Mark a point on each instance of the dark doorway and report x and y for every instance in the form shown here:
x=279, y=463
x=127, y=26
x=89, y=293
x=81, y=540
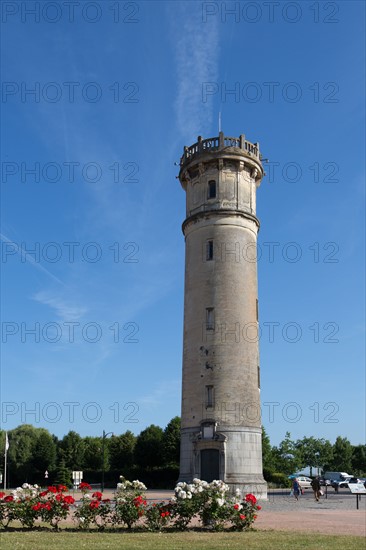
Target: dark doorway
x=210, y=465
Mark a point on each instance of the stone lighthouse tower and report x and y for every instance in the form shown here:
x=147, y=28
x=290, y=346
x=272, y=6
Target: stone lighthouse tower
x=221, y=420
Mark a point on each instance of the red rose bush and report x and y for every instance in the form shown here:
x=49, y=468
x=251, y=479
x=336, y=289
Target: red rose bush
x=53, y=505
x=93, y=509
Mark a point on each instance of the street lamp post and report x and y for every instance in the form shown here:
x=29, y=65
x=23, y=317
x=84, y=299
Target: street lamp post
x=103, y=453
x=317, y=454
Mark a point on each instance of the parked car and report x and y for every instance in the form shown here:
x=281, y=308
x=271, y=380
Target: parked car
x=336, y=476
x=341, y=483
x=363, y=480
x=353, y=480
x=325, y=482
x=304, y=482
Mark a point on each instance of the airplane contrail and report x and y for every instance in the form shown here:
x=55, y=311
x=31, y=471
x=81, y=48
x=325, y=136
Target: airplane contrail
x=24, y=254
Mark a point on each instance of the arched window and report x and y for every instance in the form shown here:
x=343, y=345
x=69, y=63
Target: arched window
x=211, y=194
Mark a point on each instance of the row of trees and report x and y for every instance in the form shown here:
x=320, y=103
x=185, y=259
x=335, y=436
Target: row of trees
x=32, y=451
x=292, y=456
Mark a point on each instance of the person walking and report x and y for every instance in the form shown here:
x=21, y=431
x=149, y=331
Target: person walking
x=296, y=488
x=315, y=484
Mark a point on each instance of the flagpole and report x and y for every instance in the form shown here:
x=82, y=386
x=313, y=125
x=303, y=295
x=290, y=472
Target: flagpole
x=6, y=457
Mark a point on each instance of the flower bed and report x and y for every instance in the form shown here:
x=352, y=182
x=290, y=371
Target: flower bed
x=210, y=503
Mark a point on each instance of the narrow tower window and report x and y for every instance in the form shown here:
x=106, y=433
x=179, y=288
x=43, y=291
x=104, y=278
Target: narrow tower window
x=209, y=396
x=259, y=376
x=212, y=189
x=257, y=309
x=210, y=318
x=209, y=250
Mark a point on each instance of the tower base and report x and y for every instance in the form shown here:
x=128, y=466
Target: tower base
x=255, y=485
x=226, y=456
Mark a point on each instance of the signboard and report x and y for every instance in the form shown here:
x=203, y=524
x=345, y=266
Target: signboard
x=357, y=488
x=77, y=477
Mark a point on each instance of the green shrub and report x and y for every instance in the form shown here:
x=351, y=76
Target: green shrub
x=279, y=479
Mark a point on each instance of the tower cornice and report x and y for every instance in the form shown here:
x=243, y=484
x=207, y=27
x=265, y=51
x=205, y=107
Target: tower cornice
x=222, y=213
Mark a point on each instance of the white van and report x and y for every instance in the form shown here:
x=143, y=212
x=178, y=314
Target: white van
x=336, y=476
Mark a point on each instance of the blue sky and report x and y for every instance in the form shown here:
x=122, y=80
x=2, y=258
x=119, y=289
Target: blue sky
x=117, y=96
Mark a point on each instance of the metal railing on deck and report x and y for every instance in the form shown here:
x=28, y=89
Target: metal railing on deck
x=220, y=142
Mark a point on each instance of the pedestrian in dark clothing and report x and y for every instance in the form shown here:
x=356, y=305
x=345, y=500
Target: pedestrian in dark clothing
x=315, y=484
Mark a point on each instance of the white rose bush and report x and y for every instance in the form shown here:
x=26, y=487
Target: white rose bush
x=93, y=509
x=211, y=503
x=130, y=502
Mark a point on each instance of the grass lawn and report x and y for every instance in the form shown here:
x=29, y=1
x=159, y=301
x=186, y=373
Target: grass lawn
x=266, y=540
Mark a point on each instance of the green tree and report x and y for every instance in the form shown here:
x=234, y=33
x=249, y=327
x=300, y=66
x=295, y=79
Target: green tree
x=121, y=450
x=2, y=450
x=149, y=447
x=315, y=453
x=93, y=455
x=171, y=442
x=325, y=454
x=63, y=474
x=43, y=454
x=72, y=449
x=358, y=460
x=286, y=456
x=267, y=453
x=22, y=443
x=342, y=455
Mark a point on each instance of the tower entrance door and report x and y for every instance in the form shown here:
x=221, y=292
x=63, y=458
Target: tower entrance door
x=210, y=465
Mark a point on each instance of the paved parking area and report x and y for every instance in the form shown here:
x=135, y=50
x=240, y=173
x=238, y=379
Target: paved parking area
x=336, y=514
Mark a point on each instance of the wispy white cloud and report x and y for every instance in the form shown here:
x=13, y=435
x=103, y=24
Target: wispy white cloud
x=64, y=310
x=162, y=393
x=196, y=47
